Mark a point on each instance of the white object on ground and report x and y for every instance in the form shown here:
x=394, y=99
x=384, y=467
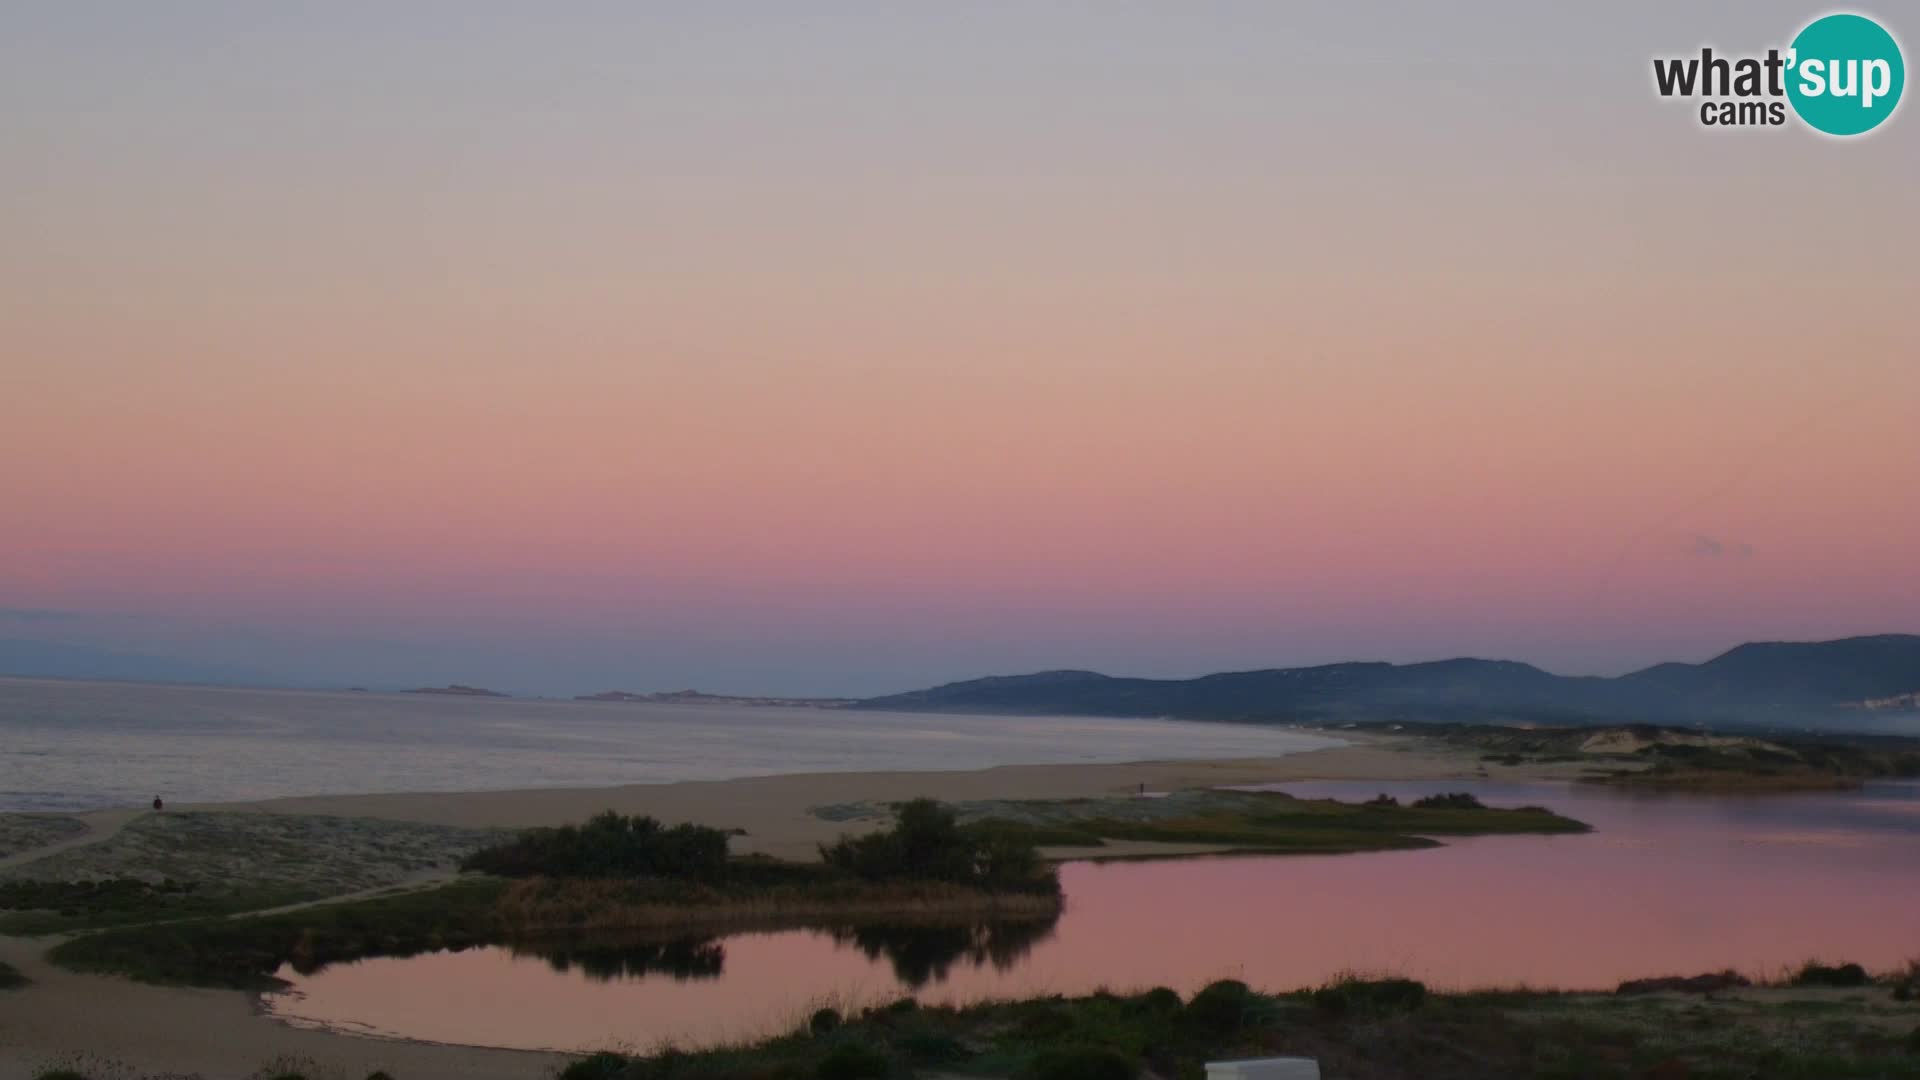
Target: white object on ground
x=1280, y=1068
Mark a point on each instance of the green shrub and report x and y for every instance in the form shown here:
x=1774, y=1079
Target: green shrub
x=823, y=1021
x=60, y=1074
x=380, y=1074
x=1081, y=1063
x=605, y=1065
x=1816, y=974
x=1220, y=1008
x=1046, y=1021
x=928, y=843
x=931, y=1048
x=1370, y=996
x=609, y=845
x=853, y=1061
x=1453, y=800
x=1160, y=999
x=1913, y=1041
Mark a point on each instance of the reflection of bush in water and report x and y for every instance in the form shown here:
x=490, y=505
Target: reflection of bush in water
x=927, y=952
x=683, y=959
x=920, y=953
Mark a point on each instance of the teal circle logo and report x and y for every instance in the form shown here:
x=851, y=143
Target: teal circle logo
x=1845, y=74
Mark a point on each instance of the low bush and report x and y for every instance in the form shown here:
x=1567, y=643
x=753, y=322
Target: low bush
x=1080, y=1063
x=928, y=843
x=1219, y=1008
x=1455, y=800
x=853, y=1061
x=1842, y=975
x=931, y=1048
x=609, y=845
x=1160, y=999
x=1370, y=997
x=823, y=1021
x=605, y=1065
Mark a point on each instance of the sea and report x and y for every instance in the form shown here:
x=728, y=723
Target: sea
x=72, y=746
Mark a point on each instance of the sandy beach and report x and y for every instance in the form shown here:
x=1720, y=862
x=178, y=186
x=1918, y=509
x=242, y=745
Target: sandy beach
x=221, y=1034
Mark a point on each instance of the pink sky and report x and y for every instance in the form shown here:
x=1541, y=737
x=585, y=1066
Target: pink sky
x=856, y=362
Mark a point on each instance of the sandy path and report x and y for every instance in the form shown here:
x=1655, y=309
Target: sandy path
x=221, y=1035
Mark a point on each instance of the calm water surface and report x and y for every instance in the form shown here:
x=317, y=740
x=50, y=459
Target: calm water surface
x=78, y=746
x=1664, y=885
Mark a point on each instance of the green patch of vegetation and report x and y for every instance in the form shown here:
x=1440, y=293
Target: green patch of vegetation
x=1452, y=800
x=1814, y=973
x=246, y=952
x=1263, y=821
x=1678, y=759
x=646, y=878
x=609, y=845
x=1381, y=1028
x=928, y=843
x=57, y=907
x=24, y=832
x=1369, y=997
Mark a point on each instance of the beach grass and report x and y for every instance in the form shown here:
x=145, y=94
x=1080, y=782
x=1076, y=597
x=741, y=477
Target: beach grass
x=1356, y=1028
x=23, y=832
x=184, y=865
x=1268, y=822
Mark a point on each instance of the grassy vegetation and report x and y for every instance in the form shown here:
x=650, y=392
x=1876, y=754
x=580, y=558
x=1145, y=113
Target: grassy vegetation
x=642, y=877
x=57, y=907
x=245, y=952
x=928, y=843
x=1263, y=821
x=1673, y=759
x=610, y=845
x=180, y=865
x=1357, y=1029
x=23, y=832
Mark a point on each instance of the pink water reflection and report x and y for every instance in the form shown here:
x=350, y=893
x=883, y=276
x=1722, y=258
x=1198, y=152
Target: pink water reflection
x=1662, y=886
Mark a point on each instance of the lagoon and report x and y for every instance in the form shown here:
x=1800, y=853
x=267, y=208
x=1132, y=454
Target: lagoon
x=1665, y=884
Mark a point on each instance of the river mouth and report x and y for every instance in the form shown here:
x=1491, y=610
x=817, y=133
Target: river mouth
x=1663, y=885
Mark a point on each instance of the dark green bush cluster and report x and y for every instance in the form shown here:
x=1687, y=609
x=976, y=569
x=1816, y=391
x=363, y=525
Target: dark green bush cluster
x=1816, y=974
x=1382, y=799
x=605, y=1065
x=1453, y=800
x=928, y=843
x=1370, y=997
x=853, y=1060
x=1081, y=1063
x=1220, y=1008
x=610, y=845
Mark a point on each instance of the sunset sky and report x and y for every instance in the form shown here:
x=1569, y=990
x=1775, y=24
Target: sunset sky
x=660, y=345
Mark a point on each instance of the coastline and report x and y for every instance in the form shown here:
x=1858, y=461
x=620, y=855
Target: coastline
x=62, y=1016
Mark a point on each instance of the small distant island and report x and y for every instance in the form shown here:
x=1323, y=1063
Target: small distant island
x=695, y=697
x=457, y=690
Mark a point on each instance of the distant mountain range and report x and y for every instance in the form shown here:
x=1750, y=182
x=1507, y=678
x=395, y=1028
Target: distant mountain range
x=1852, y=683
